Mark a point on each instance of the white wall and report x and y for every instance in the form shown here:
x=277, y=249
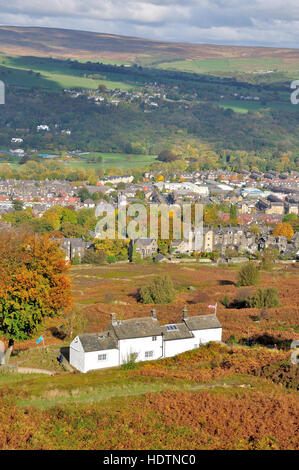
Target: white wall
x=204, y=336
x=177, y=346
x=115, y=357
x=77, y=354
x=85, y=361
x=91, y=361
x=140, y=346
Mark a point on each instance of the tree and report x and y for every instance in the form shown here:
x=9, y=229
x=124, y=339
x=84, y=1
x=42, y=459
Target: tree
x=284, y=230
x=74, y=323
x=159, y=291
x=290, y=218
x=167, y=156
x=233, y=211
x=83, y=194
x=249, y=274
x=17, y=205
x=117, y=249
x=34, y=284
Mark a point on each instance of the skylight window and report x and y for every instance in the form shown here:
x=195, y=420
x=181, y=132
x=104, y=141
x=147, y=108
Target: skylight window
x=171, y=327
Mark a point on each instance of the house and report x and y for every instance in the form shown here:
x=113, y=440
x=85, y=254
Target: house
x=179, y=246
x=73, y=247
x=89, y=203
x=117, y=179
x=143, y=339
x=145, y=247
x=43, y=127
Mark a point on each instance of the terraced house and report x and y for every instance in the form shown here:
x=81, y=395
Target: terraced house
x=142, y=339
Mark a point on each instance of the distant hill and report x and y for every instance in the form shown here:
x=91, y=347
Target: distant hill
x=86, y=45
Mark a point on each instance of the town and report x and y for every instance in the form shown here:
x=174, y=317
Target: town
x=244, y=213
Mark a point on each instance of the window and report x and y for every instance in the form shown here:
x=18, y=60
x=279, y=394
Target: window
x=171, y=327
x=102, y=357
x=154, y=338
x=149, y=353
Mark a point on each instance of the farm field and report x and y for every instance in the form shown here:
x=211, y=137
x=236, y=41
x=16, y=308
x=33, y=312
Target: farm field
x=196, y=400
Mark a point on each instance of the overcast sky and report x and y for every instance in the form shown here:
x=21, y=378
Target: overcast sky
x=246, y=22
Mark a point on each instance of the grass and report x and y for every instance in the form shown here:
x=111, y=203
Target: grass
x=17, y=71
x=90, y=395
x=102, y=160
x=107, y=160
x=229, y=65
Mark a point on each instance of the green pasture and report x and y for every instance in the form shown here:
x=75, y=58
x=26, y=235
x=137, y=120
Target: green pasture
x=19, y=71
x=107, y=160
x=226, y=65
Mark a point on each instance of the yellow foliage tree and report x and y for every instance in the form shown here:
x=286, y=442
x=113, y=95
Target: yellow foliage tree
x=284, y=230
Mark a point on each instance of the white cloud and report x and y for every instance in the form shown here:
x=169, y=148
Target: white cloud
x=219, y=21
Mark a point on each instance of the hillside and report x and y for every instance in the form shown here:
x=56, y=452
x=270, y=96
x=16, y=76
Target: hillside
x=66, y=43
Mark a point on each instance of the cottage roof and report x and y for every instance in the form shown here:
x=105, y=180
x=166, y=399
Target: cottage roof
x=137, y=328
x=181, y=332
x=145, y=241
x=202, y=322
x=98, y=341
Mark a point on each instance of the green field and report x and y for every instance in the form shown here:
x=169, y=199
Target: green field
x=20, y=71
x=101, y=160
x=226, y=65
x=107, y=160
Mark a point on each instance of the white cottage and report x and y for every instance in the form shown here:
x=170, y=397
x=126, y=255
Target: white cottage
x=144, y=338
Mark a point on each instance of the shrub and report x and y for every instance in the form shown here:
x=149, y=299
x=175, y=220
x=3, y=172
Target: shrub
x=94, y=257
x=267, y=260
x=225, y=301
x=264, y=297
x=159, y=291
x=130, y=362
x=76, y=260
x=249, y=275
x=111, y=259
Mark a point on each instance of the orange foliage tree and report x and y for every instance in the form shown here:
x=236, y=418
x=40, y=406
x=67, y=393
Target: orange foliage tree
x=34, y=284
x=284, y=230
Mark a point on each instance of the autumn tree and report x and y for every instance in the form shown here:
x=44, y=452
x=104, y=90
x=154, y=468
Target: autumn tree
x=34, y=284
x=117, y=249
x=284, y=230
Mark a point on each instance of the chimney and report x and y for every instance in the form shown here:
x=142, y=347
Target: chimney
x=154, y=314
x=185, y=313
x=113, y=319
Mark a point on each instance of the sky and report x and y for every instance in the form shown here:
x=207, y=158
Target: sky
x=243, y=22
